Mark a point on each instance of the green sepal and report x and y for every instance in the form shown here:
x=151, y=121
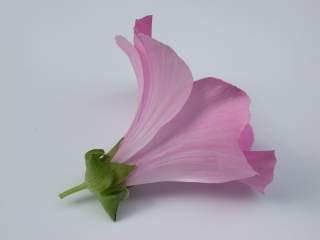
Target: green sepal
x=105, y=179
x=120, y=171
x=114, y=149
x=98, y=174
x=110, y=200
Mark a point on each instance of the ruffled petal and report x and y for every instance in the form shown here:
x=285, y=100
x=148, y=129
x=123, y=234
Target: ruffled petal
x=201, y=144
x=165, y=83
x=263, y=162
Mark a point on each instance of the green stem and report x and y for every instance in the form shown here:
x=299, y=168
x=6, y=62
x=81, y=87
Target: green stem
x=73, y=190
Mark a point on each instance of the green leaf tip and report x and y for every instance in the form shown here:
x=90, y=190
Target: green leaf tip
x=110, y=200
x=105, y=179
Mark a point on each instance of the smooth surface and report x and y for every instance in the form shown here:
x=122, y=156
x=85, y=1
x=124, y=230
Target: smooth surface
x=66, y=88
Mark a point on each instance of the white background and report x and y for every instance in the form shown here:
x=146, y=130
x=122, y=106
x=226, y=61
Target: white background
x=66, y=88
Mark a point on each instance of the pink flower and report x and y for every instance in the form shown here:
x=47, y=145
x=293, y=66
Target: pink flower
x=183, y=130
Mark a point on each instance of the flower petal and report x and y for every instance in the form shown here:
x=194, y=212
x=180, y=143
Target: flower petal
x=135, y=60
x=201, y=144
x=246, y=138
x=166, y=84
x=144, y=25
x=263, y=162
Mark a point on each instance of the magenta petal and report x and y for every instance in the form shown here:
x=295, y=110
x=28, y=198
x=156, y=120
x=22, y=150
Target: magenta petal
x=263, y=162
x=144, y=25
x=246, y=138
x=135, y=60
x=201, y=144
x=166, y=83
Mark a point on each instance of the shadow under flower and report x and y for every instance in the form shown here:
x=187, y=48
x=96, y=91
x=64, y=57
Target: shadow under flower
x=145, y=196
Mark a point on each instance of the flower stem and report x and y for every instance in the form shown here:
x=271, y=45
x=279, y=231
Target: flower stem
x=73, y=190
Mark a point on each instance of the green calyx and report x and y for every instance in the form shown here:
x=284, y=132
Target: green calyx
x=105, y=179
